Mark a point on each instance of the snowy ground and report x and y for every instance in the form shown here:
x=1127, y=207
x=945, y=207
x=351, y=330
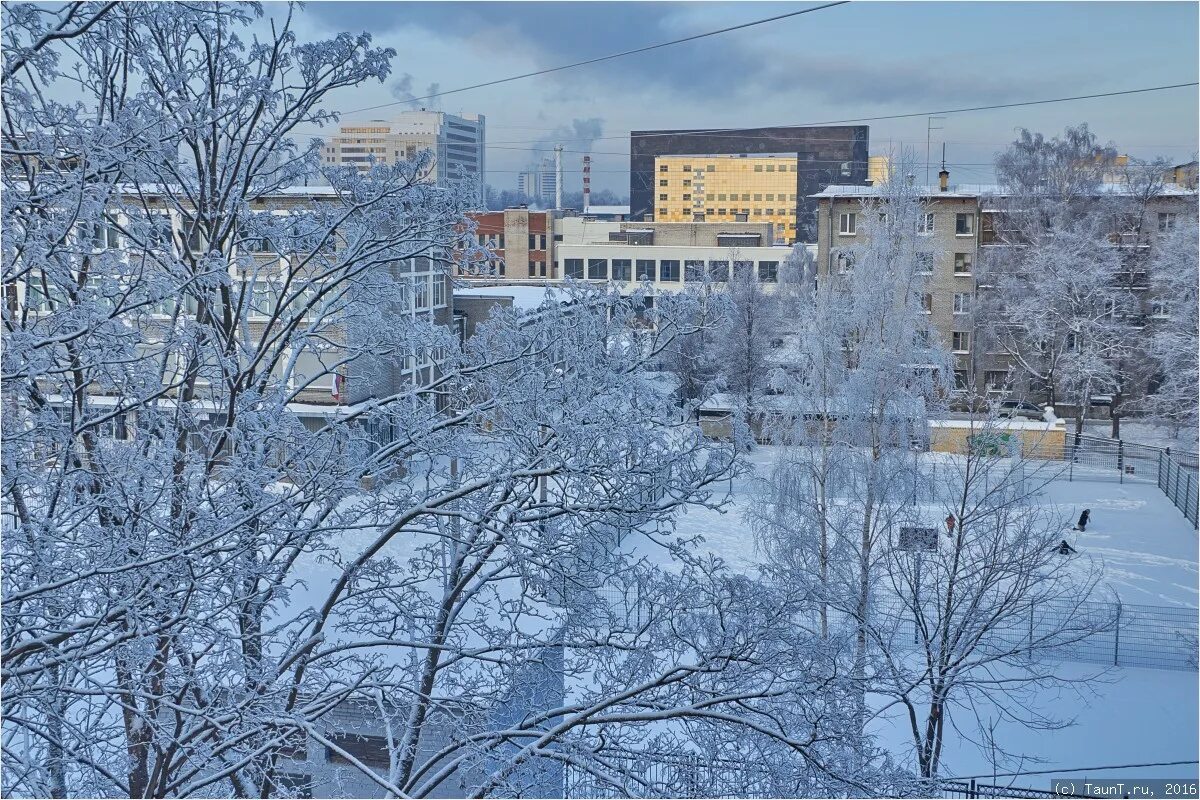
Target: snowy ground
x=1130, y=715
x=1133, y=716
x=1148, y=548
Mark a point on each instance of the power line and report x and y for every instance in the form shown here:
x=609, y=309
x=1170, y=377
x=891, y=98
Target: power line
x=738, y=131
x=635, y=51
x=1076, y=769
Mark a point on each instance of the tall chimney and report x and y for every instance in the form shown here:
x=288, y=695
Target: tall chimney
x=587, y=183
x=944, y=180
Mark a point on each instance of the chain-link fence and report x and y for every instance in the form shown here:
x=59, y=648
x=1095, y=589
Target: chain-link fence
x=636, y=773
x=1179, y=484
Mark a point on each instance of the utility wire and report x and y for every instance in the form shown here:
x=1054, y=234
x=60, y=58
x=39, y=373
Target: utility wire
x=1065, y=771
x=635, y=51
x=737, y=131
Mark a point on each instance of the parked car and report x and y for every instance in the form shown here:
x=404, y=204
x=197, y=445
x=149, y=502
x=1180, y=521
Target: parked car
x=1023, y=409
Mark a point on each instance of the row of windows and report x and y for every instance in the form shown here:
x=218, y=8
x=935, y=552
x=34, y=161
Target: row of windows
x=260, y=295
x=665, y=270
x=963, y=302
x=964, y=224
x=713, y=168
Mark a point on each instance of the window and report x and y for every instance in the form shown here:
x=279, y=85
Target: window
x=573, y=268
x=663, y=182
x=743, y=269
x=1160, y=309
x=668, y=271
x=439, y=289
x=964, y=224
x=963, y=263
x=927, y=303
x=925, y=224
x=687, y=183
x=770, y=167
x=693, y=270
x=758, y=167
x=1166, y=222
x=995, y=380
x=645, y=270
x=662, y=167
x=718, y=271
x=757, y=197
x=962, y=302
x=746, y=197
x=685, y=197
x=960, y=342
x=710, y=168
x=720, y=197
x=687, y=167
x=845, y=263
x=105, y=236
x=770, y=212
x=720, y=211
x=961, y=379
x=924, y=263
x=662, y=212
x=847, y=224
x=622, y=269
x=768, y=271
x=597, y=269
x=664, y=197
x=771, y=197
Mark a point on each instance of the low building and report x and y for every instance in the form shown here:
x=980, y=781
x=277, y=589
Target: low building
x=668, y=254
x=521, y=243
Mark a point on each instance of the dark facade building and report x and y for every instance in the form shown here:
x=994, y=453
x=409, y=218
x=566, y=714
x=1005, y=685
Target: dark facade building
x=826, y=155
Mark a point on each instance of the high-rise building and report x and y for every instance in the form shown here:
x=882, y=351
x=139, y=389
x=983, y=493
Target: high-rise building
x=824, y=156
x=539, y=184
x=457, y=143
x=721, y=188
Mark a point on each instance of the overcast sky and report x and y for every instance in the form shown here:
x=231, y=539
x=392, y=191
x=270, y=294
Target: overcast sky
x=856, y=60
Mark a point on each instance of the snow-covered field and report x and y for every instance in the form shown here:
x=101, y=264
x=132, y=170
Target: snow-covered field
x=1147, y=546
x=1129, y=716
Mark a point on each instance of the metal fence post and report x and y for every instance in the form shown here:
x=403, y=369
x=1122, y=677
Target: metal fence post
x=1117, y=638
x=1121, y=460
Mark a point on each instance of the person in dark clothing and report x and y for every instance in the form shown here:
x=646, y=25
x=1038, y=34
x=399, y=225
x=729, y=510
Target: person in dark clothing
x=1064, y=549
x=951, y=521
x=1083, y=519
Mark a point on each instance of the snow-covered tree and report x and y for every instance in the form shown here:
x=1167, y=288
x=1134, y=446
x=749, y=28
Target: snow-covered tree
x=1175, y=332
x=868, y=372
x=1054, y=300
x=196, y=583
x=971, y=626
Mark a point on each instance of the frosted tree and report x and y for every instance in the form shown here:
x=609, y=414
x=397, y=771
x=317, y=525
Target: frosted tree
x=1053, y=298
x=975, y=621
x=199, y=586
x=1175, y=331
x=868, y=371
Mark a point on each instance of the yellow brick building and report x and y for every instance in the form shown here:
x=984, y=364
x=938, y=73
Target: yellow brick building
x=728, y=188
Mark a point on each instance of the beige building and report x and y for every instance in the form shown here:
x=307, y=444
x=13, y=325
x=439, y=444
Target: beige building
x=728, y=188
x=957, y=228
x=457, y=143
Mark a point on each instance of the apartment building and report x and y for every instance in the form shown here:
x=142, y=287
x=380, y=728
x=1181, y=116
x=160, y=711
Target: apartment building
x=958, y=230
x=728, y=188
x=521, y=242
x=457, y=143
x=425, y=288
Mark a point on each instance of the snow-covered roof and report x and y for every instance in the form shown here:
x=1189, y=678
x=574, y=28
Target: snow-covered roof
x=524, y=298
x=973, y=190
x=608, y=210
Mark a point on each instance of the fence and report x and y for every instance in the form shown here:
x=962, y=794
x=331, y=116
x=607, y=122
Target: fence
x=1179, y=484
x=632, y=773
x=971, y=789
x=1115, y=634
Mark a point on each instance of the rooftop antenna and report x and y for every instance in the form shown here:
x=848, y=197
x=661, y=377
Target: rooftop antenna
x=929, y=129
